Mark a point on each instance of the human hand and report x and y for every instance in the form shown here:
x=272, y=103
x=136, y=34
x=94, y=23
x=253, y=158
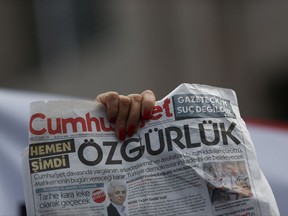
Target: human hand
x=127, y=111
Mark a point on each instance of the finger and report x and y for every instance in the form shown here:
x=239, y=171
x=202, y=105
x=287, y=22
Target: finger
x=134, y=113
x=148, y=103
x=110, y=101
x=124, y=103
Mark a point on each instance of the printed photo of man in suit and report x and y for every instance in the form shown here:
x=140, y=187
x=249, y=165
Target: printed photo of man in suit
x=117, y=192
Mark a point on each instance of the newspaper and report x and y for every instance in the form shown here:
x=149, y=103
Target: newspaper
x=194, y=157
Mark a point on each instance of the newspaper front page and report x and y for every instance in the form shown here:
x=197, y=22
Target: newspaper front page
x=194, y=157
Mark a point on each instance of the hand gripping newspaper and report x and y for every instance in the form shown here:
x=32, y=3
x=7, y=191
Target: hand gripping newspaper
x=194, y=157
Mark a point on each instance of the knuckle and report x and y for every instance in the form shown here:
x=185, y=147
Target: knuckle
x=112, y=95
x=135, y=97
x=148, y=92
x=124, y=100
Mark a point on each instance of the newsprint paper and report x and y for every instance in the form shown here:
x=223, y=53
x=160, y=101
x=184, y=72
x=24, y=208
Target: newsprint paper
x=194, y=157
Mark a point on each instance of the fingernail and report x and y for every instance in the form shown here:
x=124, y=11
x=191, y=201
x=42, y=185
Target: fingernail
x=147, y=114
x=122, y=135
x=131, y=130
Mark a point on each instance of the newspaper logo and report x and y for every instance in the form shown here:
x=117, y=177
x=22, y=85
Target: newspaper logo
x=98, y=196
x=201, y=106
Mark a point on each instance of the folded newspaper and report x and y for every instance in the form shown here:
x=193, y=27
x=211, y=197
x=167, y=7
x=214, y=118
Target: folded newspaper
x=194, y=157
